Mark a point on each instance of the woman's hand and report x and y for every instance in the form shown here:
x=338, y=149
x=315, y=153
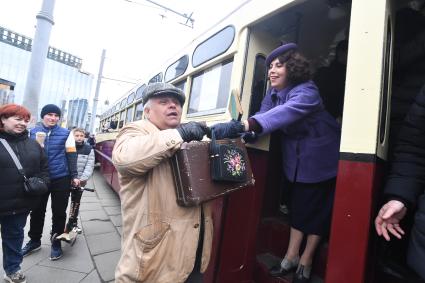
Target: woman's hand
x=232, y=129
x=388, y=219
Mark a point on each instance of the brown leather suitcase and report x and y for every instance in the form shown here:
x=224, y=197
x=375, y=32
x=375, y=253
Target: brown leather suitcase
x=192, y=177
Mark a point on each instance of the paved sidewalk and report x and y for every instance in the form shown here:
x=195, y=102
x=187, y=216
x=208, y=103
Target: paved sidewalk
x=96, y=252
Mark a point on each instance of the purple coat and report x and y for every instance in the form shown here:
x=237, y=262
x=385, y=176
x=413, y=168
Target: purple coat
x=310, y=135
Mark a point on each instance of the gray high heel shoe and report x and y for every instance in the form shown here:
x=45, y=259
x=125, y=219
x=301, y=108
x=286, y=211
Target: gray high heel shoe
x=286, y=266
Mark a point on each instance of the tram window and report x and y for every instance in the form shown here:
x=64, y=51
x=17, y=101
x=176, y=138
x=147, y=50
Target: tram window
x=139, y=111
x=258, y=87
x=156, y=79
x=210, y=90
x=121, y=121
x=177, y=68
x=213, y=46
x=122, y=103
x=139, y=92
x=129, y=114
x=130, y=98
x=180, y=85
x=386, y=85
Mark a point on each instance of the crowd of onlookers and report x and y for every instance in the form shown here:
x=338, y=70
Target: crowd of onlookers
x=58, y=158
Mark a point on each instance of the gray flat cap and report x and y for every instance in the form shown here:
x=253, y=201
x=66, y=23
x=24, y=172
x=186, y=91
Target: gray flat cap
x=157, y=89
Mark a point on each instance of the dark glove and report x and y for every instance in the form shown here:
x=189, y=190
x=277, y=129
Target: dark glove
x=192, y=131
x=249, y=137
x=231, y=129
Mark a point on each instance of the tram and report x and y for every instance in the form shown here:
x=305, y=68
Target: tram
x=226, y=64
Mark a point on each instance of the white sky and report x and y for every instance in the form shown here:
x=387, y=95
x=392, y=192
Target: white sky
x=136, y=37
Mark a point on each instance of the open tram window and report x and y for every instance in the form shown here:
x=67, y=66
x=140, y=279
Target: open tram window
x=210, y=90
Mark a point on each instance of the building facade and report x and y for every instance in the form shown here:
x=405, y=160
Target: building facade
x=64, y=84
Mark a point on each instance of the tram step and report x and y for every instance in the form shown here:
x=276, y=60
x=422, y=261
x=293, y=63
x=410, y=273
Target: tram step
x=273, y=241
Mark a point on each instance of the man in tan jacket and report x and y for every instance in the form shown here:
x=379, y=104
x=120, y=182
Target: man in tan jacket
x=161, y=241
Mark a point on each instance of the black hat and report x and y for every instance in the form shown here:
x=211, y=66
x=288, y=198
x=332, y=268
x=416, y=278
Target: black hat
x=279, y=51
x=157, y=89
x=50, y=108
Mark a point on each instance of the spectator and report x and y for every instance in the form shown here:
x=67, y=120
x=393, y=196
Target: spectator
x=404, y=188
x=172, y=243
x=14, y=203
x=62, y=159
x=310, y=146
x=85, y=166
x=91, y=141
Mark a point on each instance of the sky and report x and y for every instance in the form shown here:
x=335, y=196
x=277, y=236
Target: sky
x=137, y=35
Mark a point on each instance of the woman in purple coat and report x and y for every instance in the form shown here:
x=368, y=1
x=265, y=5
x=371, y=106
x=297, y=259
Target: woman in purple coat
x=310, y=147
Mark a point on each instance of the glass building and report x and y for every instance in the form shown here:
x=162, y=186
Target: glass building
x=64, y=84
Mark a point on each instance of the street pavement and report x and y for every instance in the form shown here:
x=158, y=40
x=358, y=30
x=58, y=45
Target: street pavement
x=95, y=254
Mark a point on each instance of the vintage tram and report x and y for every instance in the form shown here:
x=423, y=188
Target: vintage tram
x=226, y=64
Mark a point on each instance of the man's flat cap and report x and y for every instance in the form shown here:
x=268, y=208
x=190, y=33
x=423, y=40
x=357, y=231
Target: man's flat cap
x=279, y=51
x=160, y=89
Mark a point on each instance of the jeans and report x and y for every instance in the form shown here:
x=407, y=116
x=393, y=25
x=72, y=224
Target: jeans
x=59, y=190
x=12, y=233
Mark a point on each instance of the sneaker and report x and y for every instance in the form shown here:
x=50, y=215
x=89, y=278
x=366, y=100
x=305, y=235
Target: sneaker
x=56, y=251
x=30, y=247
x=17, y=277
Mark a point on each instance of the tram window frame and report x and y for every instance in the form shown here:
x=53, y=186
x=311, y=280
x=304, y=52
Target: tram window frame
x=213, y=46
x=260, y=73
x=181, y=64
x=215, y=82
x=130, y=98
x=136, y=111
x=386, y=85
x=139, y=92
x=129, y=115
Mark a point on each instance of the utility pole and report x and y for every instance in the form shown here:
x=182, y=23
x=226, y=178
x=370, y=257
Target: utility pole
x=96, y=94
x=38, y=58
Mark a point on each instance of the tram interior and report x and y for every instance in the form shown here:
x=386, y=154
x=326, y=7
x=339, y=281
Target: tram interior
x=318, y=27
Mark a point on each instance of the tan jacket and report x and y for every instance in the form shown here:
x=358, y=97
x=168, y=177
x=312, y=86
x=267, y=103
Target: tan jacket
x=159, y=238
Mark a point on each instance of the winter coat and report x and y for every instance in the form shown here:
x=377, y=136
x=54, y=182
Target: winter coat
x=59, y=146
x=407, y=178
x=159, y=238
x=13, y=199
x=85, y=161
x=310, y=135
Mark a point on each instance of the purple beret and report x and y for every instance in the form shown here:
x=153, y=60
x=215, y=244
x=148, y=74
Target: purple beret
x=279, y=51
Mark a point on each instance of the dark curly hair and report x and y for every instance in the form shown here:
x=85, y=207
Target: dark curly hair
x=297, y=67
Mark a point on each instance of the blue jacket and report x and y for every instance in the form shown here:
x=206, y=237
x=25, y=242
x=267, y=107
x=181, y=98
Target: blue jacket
x=59, y=146
x=310, y=135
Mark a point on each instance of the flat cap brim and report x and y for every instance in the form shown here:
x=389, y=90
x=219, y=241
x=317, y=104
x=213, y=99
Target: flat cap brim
x=161, y=89
x=279, y=51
